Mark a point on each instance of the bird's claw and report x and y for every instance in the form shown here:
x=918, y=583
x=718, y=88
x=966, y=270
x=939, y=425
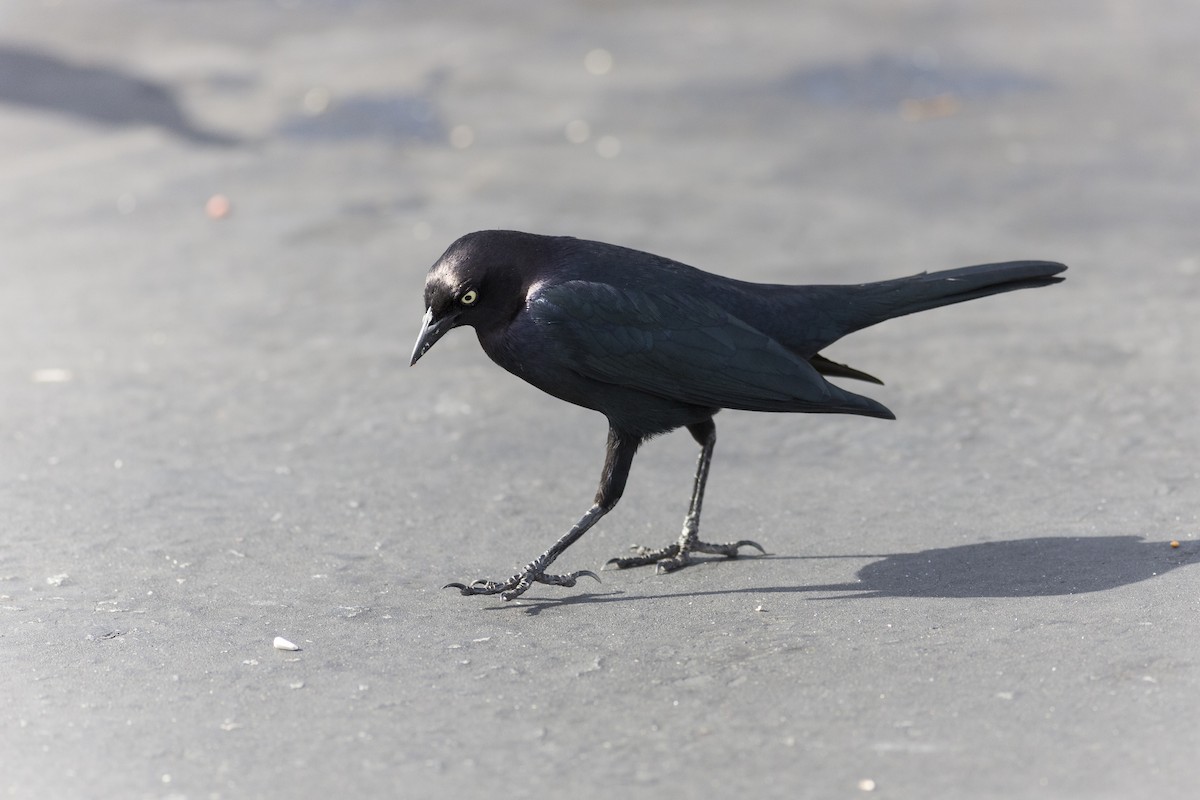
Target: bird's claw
x=642, y=556
x=742, y=543
x=677, y=556
x=517, y=585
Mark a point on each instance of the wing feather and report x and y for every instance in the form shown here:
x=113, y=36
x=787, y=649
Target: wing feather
x=685, y=348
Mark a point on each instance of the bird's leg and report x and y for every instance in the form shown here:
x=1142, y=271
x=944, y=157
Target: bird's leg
x=678, y=555
x=535, y=571
x=617, y=461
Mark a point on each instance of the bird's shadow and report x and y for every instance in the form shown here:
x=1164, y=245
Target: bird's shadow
x=1040, y=567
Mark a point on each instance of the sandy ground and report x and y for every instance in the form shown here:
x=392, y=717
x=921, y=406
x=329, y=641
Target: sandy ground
x=211, y=436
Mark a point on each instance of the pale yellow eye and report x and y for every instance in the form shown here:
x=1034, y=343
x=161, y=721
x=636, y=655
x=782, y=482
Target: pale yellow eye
x=469, y=297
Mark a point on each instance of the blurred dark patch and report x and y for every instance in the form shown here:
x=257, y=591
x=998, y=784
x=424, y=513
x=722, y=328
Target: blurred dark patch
x=96, y=93
x=384, y=116
x=884, y=82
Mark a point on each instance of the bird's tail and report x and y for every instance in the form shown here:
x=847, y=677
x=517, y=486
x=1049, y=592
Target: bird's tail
x=872, y=303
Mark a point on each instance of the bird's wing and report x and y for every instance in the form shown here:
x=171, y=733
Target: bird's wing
x=685, y=348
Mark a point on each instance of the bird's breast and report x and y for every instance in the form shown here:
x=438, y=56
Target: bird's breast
x=533, y=353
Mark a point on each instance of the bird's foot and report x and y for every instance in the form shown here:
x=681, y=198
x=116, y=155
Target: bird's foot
x=679, y=555
x=517, y=584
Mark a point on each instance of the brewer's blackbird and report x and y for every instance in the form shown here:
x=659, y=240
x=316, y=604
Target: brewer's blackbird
x=655, y=345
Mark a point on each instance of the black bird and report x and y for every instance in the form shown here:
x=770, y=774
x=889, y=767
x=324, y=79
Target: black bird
x=656, y=345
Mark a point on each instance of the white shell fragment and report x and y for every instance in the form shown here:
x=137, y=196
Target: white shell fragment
x=51, y=375
x=281, y=643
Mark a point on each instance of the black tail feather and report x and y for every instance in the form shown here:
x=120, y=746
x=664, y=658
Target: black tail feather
x=835, y=370
x=876, y=302
x=935, y=289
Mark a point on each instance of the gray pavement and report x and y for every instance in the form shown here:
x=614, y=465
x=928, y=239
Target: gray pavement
x=211, y=436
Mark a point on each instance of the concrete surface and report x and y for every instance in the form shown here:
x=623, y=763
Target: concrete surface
x=211, y=437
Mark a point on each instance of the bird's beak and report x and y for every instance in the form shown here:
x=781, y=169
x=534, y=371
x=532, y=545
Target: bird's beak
x=431, y=331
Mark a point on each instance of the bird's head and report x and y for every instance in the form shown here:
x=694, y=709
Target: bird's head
x=480, y=281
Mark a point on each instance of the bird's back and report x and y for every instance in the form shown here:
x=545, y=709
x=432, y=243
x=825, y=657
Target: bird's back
x=803, y=318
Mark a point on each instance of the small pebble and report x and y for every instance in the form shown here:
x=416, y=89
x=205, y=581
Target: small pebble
x=218, y=206
x=1174, y=543
x=281, y=643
